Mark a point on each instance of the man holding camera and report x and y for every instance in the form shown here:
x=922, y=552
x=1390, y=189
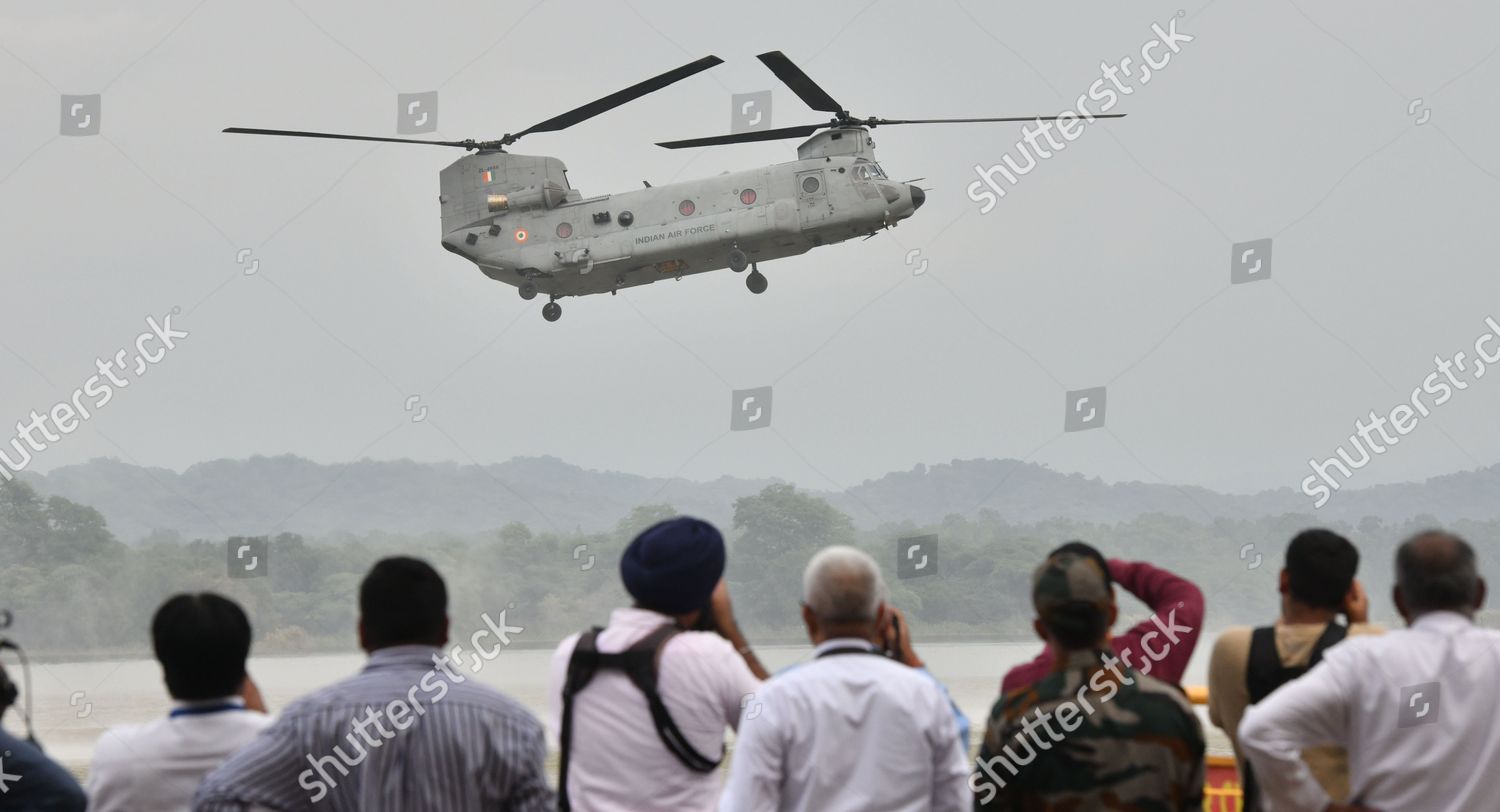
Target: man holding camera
x=640, y=706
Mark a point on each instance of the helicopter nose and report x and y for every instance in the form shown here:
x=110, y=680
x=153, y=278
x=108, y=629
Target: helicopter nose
x=918, y=197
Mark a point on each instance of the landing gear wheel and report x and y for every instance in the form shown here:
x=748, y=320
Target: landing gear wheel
x=528, y=291
x=552, y=311
x=738, y=262
x=756, y=282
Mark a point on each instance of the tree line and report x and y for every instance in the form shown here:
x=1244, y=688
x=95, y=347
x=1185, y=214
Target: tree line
x=75, y=590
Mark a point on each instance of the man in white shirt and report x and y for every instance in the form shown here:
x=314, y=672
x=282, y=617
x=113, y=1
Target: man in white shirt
x=621, y=750
x=854, y=729
x=1414, y=708
x=202, y=642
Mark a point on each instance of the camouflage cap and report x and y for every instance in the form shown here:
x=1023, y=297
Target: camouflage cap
x=1067, y=581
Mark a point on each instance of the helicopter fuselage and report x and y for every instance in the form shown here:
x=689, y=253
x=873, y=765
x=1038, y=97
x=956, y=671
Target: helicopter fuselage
x=517, y=218
x=521, y=222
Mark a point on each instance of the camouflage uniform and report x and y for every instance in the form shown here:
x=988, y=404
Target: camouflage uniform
x=1095, y=734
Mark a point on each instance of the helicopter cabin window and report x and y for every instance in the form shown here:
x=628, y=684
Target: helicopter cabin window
x=626, y=218
x=811, y=184
x=686, y=208
x=865, y=170
x=564, y=230
x=747, y=196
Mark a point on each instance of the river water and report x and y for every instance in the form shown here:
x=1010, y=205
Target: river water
x=76, y=702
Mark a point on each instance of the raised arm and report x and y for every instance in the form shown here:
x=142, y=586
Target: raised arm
x=1177, y=612
x=1177, y=619
x=896, y=639
x=729, y=628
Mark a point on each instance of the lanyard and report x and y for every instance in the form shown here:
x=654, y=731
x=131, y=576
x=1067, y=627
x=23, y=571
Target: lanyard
x=204, y=710
x=848, y=650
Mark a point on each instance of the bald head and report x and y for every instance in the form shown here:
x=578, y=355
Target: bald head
x=1437, y=572
x=842, y=587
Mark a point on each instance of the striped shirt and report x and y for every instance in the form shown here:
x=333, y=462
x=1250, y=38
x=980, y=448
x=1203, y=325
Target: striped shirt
x=407, y=733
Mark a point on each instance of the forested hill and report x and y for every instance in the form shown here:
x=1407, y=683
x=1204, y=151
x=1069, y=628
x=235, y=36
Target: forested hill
x=273, y=494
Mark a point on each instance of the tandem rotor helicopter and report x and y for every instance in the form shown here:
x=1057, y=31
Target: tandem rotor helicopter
x=519, y=220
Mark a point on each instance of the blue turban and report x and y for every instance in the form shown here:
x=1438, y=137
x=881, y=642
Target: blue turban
x=672, y=567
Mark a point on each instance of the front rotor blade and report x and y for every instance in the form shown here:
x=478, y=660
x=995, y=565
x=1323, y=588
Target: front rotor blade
x=792, y=76
x=343, y=137
x=874, y=122
x=742, y=138
x=614, y=100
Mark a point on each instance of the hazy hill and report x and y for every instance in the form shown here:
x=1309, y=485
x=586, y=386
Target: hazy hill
x=270, y=494
x=1027, y=492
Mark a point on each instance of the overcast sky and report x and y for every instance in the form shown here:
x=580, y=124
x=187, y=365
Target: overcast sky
x=1109, y=265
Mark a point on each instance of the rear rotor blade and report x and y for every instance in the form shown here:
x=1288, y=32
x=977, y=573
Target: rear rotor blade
x=343, y=137
x=742, y=138
x=616, y=99
x=792, y=76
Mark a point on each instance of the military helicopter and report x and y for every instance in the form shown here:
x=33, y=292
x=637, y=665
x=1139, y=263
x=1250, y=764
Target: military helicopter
x=521, y=222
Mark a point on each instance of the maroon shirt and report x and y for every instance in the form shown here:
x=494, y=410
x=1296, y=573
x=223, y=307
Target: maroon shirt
x=1177, y=611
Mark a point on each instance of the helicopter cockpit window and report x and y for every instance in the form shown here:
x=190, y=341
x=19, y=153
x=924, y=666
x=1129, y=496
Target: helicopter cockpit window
x=865, y=170
x=861, y=172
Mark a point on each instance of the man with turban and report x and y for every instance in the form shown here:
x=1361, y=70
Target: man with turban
x=640, y=706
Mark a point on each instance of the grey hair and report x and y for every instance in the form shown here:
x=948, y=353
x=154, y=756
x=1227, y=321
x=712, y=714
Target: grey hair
x=1437, y=571
x=843, y=585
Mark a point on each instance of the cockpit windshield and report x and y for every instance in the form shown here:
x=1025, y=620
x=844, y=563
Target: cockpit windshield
x=868, y=170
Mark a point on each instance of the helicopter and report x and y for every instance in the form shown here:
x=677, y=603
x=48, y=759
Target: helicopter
x=519, y=220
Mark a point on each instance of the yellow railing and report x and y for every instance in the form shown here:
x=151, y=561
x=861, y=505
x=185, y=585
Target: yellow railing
x=1221, y=786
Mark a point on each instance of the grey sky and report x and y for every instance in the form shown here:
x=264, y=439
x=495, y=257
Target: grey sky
x=1107, y=265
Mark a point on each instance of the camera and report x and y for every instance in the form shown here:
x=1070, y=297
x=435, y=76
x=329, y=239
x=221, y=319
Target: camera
x=9, y=693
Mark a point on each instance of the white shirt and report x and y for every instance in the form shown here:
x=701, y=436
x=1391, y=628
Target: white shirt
x=159, y=765
x=848, y=732
x=1416, y=710
x=619, y=763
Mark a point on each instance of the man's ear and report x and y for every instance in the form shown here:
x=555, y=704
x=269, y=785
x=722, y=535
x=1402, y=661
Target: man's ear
x=1041, y=631
x=1114, y=614
x=447, y=625
x=1480, y=595
x=810, y=620
x=359, y=629
x=1282, y=584
x=1400, y=602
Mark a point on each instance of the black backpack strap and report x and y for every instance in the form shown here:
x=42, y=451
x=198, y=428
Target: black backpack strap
x=582, y=666
x=1264, y=673
x=642, y=664
x=1332, y=634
